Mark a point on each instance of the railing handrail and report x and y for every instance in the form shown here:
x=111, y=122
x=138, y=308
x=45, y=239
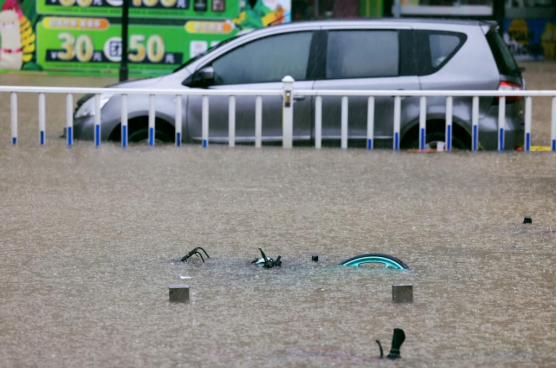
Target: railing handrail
x=138, y=91
x=426, y=93
x=279, y=92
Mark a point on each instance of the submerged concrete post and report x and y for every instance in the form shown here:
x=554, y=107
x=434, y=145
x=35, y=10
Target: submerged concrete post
x=179, y=293
x=403, y=293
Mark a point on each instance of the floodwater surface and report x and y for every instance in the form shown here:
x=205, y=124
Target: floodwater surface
x=90, y=240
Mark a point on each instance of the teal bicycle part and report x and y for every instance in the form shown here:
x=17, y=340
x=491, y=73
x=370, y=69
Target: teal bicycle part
x=387, y=260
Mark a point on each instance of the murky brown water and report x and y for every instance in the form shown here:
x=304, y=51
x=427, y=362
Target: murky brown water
x=88, y=237
x=89, y=240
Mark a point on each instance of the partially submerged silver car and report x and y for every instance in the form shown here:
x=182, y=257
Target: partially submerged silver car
x=390, y=54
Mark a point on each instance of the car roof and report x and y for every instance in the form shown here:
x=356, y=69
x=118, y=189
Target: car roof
x=386, y=22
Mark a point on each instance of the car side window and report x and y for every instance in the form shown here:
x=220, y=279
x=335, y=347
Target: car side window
x=434, y=49
x=362, y=54
x=265, y=60
x=441, y=46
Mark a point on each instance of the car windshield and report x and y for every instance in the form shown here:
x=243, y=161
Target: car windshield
x=210, y=49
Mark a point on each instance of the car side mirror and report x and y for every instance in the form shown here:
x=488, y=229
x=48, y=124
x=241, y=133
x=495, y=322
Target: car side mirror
x=207, y=75
x=201, y=78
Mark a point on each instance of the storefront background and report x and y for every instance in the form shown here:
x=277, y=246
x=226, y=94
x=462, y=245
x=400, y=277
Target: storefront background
x=529, y=28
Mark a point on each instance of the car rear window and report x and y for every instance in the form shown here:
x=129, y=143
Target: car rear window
x=503, y=57
x=435, y=48
x=362, y=54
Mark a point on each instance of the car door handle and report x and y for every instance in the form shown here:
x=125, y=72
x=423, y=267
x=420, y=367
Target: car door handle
x=296, y=97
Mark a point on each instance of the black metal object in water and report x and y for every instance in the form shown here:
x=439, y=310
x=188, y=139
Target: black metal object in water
x=380, y=349
x=267, y=262
x=398, y=338
x=196, y=252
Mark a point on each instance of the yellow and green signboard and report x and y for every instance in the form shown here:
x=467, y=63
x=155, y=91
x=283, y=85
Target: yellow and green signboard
x=91, y=44
x=84, y=36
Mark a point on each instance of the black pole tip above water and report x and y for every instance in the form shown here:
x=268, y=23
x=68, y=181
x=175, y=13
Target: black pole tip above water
x=527, y=220
x=398, y=338
x=315, y=258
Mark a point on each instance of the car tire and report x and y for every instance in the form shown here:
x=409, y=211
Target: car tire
x=142, y=136
x=431, y=140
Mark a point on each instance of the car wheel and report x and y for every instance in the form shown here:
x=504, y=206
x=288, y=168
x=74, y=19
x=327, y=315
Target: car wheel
x=142, y=136
x=433, y=139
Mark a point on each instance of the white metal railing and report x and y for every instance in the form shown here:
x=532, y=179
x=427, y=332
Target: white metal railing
x=287, y=94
